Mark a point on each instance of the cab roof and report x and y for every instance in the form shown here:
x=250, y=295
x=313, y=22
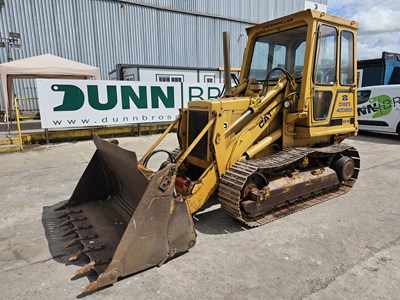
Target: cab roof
x=305, y=16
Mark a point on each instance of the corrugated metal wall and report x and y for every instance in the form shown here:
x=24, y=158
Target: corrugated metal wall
x=104, y=33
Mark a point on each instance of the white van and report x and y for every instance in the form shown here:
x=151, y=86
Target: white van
x=379, y=108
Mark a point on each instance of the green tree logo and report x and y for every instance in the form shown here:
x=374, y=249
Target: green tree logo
x=384, y=105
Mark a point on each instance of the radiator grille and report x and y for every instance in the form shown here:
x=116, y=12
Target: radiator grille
x=197, y=121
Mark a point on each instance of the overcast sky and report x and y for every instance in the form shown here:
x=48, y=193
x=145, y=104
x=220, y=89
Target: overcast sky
x=379, y=23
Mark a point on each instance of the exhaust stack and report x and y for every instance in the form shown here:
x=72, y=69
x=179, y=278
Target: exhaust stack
x=227, y=64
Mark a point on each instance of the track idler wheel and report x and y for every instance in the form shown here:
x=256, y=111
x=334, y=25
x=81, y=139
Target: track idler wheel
x=344, y=168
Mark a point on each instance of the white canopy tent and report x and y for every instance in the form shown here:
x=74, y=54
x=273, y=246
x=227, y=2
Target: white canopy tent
x=42, y=66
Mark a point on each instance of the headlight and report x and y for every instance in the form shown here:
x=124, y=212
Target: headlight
x=287, y=104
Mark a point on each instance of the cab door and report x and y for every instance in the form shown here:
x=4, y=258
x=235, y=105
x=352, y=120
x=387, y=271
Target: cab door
x=333, y=102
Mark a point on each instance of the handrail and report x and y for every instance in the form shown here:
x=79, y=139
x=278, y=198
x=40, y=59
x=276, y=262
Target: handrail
x=17, y=116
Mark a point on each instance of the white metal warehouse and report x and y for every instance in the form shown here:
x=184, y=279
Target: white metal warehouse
x=105, y=33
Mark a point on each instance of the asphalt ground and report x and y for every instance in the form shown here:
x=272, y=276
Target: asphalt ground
x=346, y=248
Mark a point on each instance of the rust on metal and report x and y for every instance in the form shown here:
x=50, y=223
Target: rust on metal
x=84, y=269
x=125, y=221
x=127, y=218
x=307, y=188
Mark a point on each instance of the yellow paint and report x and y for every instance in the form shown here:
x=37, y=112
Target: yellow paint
x=203, y=190
x=16, y=105
x=247, y=124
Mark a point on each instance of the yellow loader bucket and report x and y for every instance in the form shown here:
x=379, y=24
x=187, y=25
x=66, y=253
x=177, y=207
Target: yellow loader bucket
x=126, y=221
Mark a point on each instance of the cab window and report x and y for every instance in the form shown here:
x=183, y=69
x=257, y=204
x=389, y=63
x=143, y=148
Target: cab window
x=299, y=59
x=279, y=56
x=259, y=62
x=321, y=104
x=325, y=63
x=284, y=49
x=346, y=58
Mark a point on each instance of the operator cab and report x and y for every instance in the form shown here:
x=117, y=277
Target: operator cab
x=316, y=51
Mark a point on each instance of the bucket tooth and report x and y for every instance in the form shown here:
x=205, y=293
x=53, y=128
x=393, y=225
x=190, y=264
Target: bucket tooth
x=63, y=215
x=105, y=279
x=86, y=268
x=76, y=255
x=77, y=240
x=68, y=232
x=71, y=243
x=81, y=227
x=76, y=229
x=80, y=253
x=65, y=205
x=91, y=287
x=70, y=220
x=67, y=213
x=65, y=223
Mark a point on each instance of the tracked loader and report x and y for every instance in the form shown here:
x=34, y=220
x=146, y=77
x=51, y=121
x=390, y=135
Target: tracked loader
x=270, y=146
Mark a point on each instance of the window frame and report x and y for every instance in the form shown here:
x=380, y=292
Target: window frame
x=352, y=59
x=209, y=76
x=252, y=58
x=170, y=76
x=302, y=29
x=318, y=55
x=315, y=103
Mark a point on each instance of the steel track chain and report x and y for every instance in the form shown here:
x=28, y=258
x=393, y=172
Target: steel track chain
x=233, y=181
